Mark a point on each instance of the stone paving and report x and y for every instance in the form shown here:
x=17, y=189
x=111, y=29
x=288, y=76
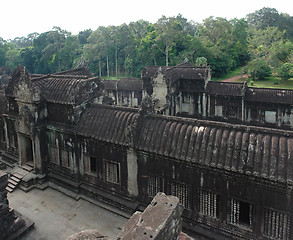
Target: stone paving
x=57, y=216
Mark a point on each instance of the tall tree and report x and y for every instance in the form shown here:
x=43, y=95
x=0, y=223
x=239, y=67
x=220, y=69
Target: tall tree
x=83, y=36
x=169, y=31
x=263, y=18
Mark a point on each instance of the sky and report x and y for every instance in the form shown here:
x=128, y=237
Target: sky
x=21, y=17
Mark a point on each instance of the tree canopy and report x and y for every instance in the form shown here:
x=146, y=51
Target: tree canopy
x=265, y=36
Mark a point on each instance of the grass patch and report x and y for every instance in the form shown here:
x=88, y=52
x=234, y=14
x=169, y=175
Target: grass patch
x=272, y=82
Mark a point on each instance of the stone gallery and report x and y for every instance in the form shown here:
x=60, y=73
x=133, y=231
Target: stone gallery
x=224, y=149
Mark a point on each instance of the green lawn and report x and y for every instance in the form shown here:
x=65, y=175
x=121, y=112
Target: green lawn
x=273, y=82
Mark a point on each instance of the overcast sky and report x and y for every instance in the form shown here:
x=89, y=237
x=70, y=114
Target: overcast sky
x=20, y=17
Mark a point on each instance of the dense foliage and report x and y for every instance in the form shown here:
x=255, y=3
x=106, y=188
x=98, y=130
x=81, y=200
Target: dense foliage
x=264, y=38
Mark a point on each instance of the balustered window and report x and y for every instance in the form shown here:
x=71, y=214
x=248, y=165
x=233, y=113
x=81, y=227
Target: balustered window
x=183, y=192
x=209, y=203
x=155, y=185
x=276, y=224
x=112, y=172
x=241, y=213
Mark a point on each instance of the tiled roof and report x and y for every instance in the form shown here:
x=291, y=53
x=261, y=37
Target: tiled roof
x=66, y=89
x=256, y=152
x=188, y=73
x=130, y=84
x=151, y=71
x=225, y=88
x=110, y=84
x=76, y=72
x=270, y=95
x=107, y=123
x=174, y=73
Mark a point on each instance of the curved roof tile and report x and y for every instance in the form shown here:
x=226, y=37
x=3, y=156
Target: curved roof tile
x=106, y=123
x=254, y=151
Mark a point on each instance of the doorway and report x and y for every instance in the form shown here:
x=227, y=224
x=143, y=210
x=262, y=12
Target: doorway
x=25, y=150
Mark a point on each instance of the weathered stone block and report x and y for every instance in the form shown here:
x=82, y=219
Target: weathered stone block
x=160, y=220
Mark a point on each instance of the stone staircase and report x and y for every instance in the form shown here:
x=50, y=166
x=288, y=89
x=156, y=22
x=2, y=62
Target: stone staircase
x=13, y=182
x=28, y=166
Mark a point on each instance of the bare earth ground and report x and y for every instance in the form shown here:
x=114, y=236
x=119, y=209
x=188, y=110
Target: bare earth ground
x=234, y=79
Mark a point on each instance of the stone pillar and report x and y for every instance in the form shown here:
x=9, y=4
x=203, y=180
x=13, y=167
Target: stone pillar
x=132, y=172
x=180, y=102
x=204, y=105
x=82, y=160
x=191, y=104
x=6, y=134
x=279, y=117
x=199, y=104
x=117, y=98
x=242, y=110
x=38, y=165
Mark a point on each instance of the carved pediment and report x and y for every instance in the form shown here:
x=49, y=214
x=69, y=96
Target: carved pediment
x=26, y=120
x=21, y=86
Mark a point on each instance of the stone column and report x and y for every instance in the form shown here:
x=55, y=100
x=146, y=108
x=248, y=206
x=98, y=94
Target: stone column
x=180, y=102
x=279, y=117
x=204, y=105
x=242, y=109
x=132, y=172
x=6, y=133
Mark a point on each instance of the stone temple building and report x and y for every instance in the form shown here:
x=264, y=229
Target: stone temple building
x=231, y=165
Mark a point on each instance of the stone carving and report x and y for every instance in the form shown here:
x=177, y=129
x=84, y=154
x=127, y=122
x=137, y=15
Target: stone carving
x=25, y=121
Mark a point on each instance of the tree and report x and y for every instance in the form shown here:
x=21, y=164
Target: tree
x=28, y=59
x=169, y=32
x=2, y=54
x=260, y=42
x=148, y=49
x=263, y=18
x=70, y=52
x=201, y=61
x=83, y=36
x=56, y=39
x=223, y=40
x=258, y=69
x=286, y=71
